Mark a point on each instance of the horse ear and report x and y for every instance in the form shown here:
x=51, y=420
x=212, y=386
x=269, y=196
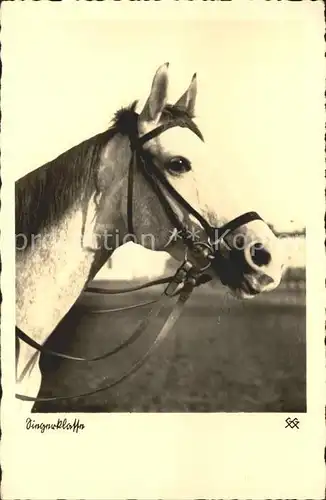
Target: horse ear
x=158, y=95
x=188, y=100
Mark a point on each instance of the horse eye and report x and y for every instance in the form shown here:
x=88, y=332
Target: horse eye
x=178, y=165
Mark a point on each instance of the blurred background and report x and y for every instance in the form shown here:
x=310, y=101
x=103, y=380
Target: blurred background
x=258, y=99
x=223, y=355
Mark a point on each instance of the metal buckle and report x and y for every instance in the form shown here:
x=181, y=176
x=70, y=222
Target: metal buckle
x=202, y=250
x=179, y=277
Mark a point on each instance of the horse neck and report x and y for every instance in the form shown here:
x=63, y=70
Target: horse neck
x=52, y=272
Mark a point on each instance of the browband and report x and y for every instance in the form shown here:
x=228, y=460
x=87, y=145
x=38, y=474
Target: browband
x=156, y=179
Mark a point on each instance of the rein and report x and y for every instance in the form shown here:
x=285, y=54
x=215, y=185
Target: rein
x=187, y=277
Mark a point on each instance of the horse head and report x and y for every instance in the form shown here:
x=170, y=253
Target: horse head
x=178, y=196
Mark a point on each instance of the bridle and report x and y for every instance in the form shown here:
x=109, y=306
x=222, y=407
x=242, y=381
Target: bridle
x=191, y=274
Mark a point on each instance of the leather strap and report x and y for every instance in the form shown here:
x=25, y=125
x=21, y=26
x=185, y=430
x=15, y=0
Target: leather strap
x=157, y=180
x=163, y=332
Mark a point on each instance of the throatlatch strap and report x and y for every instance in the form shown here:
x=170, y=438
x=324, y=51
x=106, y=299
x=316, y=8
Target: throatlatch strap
x=157, y=180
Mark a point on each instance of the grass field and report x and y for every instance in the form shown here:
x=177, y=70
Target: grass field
x=223, y=355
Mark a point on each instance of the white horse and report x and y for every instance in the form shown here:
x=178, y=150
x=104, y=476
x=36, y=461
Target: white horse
x=70, y=211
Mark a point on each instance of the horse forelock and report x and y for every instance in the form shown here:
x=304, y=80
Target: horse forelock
x=43, y=195
x=125, y=119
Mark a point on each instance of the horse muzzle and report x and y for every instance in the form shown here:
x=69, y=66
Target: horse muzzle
x=250, y=270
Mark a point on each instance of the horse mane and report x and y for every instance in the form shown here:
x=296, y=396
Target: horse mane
x=44, y=194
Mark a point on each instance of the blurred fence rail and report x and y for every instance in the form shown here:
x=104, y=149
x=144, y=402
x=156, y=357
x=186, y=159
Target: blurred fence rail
x=295, y=277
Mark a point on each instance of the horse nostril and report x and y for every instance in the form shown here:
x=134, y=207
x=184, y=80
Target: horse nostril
x=259, y=255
